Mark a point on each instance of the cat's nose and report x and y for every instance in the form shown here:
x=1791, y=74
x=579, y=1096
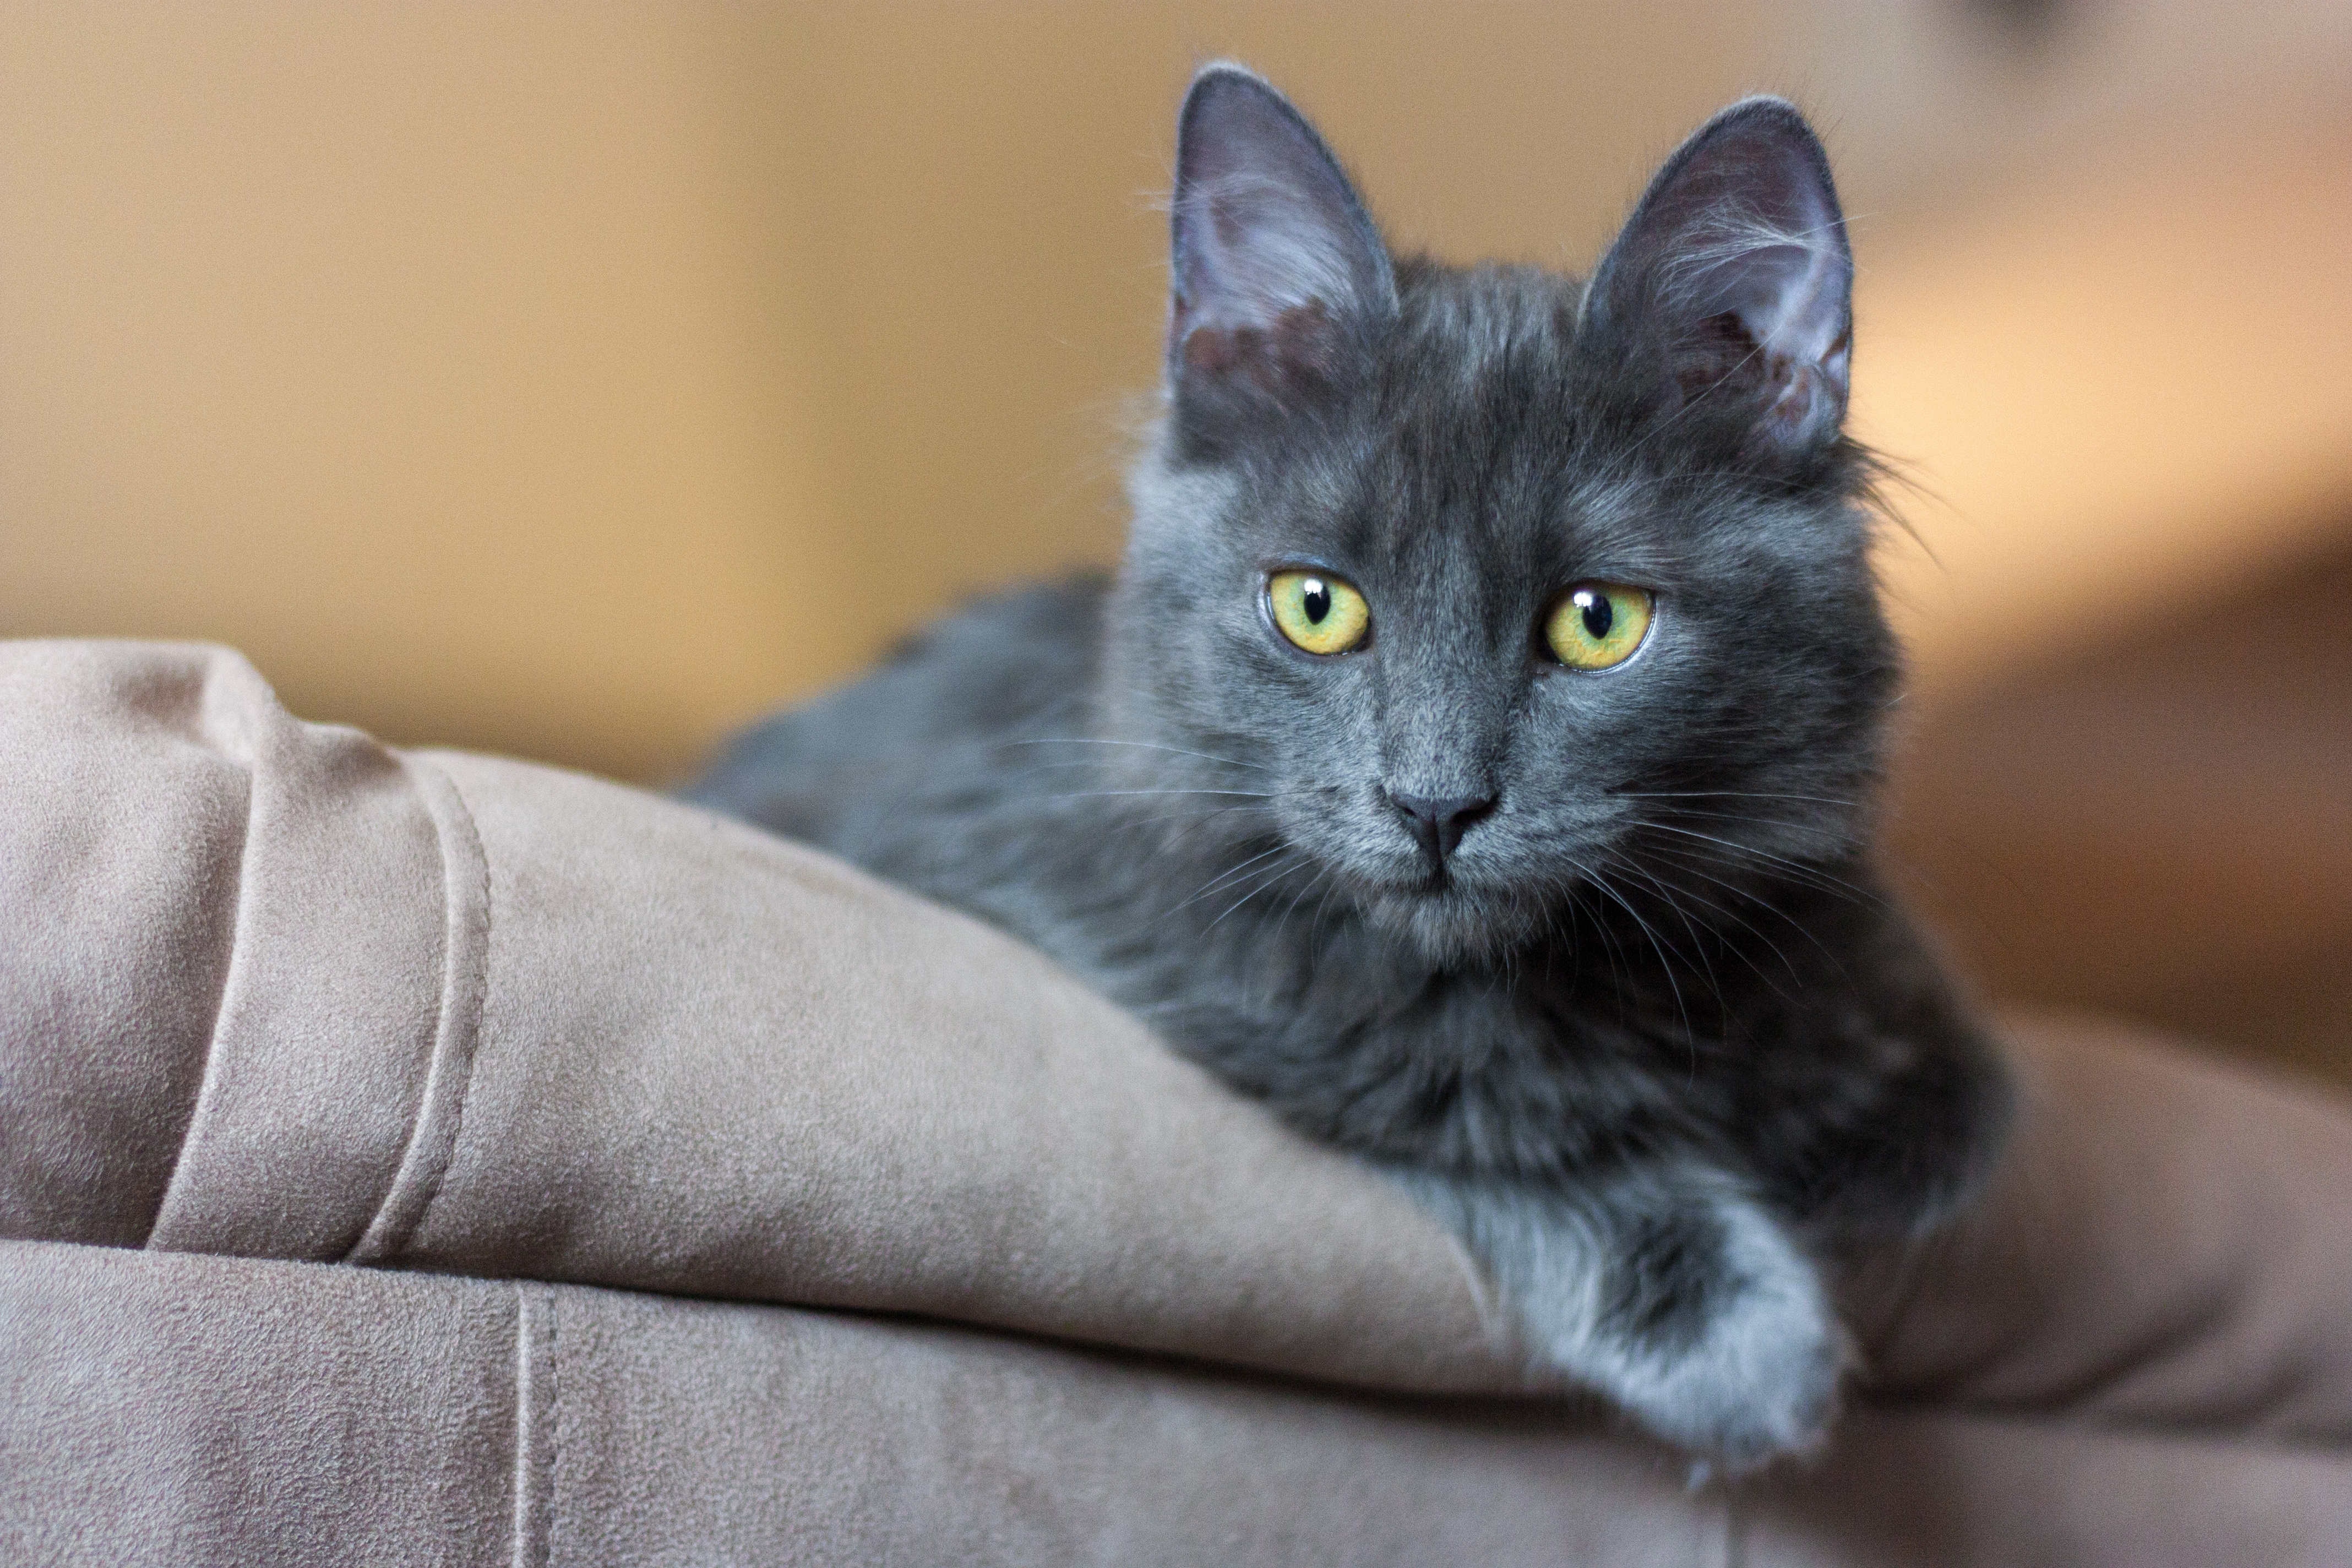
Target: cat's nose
x=1437, y=825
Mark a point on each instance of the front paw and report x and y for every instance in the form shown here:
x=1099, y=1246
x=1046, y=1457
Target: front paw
x=1675, y=1296
x=1737, y=1356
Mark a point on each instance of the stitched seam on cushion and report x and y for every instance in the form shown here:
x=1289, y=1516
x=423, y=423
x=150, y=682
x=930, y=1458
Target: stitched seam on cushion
x=545, y=1541
x=441, y=1107
x=207, y=1091
x=535, y=1425
x=520, y=1524
x=2225, y=1431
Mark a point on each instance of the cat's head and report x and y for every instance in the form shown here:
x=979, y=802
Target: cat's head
x=1505, y=589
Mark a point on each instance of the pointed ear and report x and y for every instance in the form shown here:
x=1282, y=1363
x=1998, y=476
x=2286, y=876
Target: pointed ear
x=1733, y=282
x=1275, y=268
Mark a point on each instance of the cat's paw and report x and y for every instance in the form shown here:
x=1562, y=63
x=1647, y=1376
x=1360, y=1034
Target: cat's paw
x=1692, y=1310
x=1755, y=1373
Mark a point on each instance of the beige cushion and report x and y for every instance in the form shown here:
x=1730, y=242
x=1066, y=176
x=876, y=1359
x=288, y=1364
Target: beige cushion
x=269, y=991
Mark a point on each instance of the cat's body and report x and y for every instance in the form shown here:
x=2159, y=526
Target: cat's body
x=1590, y=958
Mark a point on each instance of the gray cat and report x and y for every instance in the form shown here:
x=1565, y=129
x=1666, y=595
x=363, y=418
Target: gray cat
x=1472, y=758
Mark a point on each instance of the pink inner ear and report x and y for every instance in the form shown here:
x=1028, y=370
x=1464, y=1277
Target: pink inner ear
x=1803, y=346
x=1296, y=348
x=1802, y=394
x=1811, y=399
x=1795, y=294
x=1767, y=316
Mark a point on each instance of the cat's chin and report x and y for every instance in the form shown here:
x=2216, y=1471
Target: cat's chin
x=1452, y=925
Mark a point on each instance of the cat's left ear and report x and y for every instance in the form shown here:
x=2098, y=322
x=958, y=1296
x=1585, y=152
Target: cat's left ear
x=1733, y=282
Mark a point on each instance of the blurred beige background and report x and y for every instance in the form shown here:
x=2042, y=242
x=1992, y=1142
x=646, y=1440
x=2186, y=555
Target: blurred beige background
x=579, y=380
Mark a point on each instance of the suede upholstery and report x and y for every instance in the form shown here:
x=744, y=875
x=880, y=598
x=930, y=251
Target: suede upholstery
x=979, y=1272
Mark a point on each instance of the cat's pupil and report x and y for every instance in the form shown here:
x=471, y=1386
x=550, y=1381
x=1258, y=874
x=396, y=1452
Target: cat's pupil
x=1315, y=598
x=1598, y=615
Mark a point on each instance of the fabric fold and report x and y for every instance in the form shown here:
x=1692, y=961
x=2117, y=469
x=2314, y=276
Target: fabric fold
x=324, y=1041
x=226, y=957
x=464, y=957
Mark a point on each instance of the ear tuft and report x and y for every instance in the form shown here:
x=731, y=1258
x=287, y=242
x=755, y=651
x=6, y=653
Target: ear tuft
x=1275, y=264
x=1734, y=267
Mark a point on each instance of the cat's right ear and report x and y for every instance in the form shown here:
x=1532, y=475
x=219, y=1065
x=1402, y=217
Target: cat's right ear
x=1276, y=274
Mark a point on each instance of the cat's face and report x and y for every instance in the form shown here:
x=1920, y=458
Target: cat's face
x=1394, y=551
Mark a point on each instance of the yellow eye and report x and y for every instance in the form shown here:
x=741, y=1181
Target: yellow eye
x=1317, y=611
x=1597, y=625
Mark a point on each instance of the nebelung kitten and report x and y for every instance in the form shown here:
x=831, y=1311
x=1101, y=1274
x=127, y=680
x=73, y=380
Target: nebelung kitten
x=1472, y=757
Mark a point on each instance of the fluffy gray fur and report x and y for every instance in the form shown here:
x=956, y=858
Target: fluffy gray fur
x=1639, y=1023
